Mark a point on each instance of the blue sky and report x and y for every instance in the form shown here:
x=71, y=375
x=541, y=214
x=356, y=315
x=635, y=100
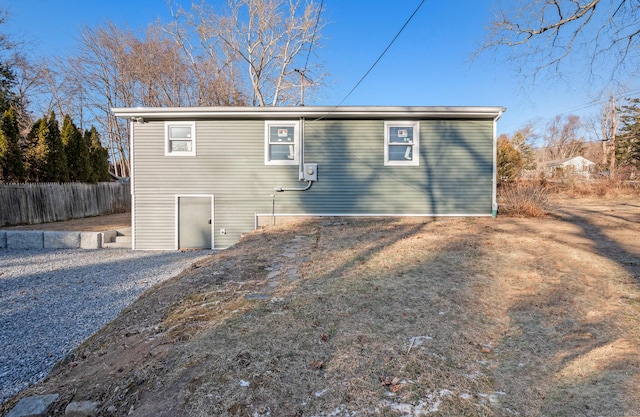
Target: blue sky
x=429, y=64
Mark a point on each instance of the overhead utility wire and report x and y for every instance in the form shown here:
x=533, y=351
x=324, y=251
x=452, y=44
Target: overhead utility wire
x=303, y=72
x=584, y=106
x=313, y=36
x=375, y=168
x=383, y=52
x=377, y=60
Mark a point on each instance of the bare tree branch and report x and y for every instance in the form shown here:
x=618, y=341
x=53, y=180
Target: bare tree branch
x=267, y=37
x=542, y=34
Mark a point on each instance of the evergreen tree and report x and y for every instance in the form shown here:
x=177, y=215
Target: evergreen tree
x=56, y=167
x=11, y=168
x=7, y=82
x=45, y=158
x=510, y=161
x=36, y=154
x=76, y=151
x=628, y=139
x=98, y=156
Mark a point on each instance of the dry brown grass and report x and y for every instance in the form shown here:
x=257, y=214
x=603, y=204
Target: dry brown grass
x=413, y=317
x=601, y=188
x=524, y=200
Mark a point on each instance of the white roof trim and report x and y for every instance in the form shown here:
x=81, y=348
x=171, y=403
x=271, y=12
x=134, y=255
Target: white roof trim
x=330, y=112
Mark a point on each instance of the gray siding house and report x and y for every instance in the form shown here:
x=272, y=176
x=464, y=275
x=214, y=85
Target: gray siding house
x=201, y=177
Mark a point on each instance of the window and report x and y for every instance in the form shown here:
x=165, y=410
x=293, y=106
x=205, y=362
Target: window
x=281, y=142
x=180, y=138
x=401, y=143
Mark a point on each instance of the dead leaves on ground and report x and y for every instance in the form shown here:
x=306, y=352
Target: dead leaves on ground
x=393, y=384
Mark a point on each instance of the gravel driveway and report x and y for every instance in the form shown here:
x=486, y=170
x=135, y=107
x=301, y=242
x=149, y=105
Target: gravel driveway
x=52, y=300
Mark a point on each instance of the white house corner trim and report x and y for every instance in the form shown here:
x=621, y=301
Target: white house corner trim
x=494, y=192
x=132, y=187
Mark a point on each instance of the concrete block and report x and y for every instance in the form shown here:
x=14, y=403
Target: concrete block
x=37, y=406
x=109, y=236
x=90, y=240
x=3, y=239
x=61, y=240
x=82, y=409
x=25, y=240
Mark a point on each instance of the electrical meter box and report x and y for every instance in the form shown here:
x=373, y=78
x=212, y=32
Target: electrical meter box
x=310, y=172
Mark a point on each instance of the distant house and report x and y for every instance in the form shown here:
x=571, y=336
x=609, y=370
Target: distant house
x=201, y=177
x=577, y=165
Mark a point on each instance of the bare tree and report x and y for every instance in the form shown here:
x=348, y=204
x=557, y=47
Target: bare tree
x=563, y=139
x=193, y=60
x=269, y=38
x=523, y=140
x=216, y=78
x=545, y=33
x=600, y=127
x=100, y=68
x=115, y=67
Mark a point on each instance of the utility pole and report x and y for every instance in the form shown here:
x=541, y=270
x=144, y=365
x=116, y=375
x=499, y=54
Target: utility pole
x=301, y=72
x=612, y=167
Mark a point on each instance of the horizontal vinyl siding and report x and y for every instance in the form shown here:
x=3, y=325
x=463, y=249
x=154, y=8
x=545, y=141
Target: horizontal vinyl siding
x=229, y=164
x=454, y=175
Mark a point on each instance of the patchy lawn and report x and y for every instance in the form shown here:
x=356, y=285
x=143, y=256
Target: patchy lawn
x=412, y=317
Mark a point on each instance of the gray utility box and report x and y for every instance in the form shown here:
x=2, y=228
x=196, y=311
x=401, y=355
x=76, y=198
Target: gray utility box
x=310, y=172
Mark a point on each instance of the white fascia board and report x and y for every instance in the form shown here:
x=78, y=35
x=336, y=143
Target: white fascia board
x=319, y=112
x=370, y=215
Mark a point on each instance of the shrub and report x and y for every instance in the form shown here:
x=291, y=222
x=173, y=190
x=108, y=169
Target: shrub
x=510, y=161
x=524, y=200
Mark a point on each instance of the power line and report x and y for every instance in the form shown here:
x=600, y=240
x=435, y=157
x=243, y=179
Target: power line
x=383, y=53
x=584, y=106
x=376, y=61
x=313, y=36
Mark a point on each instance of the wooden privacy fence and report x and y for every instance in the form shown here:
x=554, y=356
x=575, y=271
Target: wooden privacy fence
x=50, y=202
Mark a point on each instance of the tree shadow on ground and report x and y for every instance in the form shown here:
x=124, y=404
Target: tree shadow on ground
x=578, y=316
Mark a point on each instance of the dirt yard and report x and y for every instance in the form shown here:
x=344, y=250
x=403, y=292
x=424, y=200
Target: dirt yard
x=413, y=317
x=87, y=224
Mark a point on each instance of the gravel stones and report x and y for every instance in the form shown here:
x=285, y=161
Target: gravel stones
x=52, y=300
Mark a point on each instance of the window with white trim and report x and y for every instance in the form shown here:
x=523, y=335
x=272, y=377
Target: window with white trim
x=402, y=143
x=281, y=142
x=180, y=138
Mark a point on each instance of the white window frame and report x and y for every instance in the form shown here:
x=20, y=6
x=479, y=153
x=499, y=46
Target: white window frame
x=167, y=138
x=415, y=160
x=296, y=142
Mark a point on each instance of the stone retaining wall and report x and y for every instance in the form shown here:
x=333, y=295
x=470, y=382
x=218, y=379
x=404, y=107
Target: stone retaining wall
x=12, y=239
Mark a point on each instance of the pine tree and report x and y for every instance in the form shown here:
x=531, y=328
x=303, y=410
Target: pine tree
x=628, y=139
x=7, y=82
x=11, y=168
x=36, y=153
x=76, y=151
x=45, y=158
x=98, y=156
x=57, y=169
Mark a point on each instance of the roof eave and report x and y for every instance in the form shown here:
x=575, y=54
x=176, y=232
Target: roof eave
x=309, y=112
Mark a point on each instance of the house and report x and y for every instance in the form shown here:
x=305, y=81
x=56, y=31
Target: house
x=576, y=165
x=201, y=177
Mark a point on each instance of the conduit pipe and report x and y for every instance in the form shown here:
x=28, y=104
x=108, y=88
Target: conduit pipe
x=301, y=164
x=279, y=190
